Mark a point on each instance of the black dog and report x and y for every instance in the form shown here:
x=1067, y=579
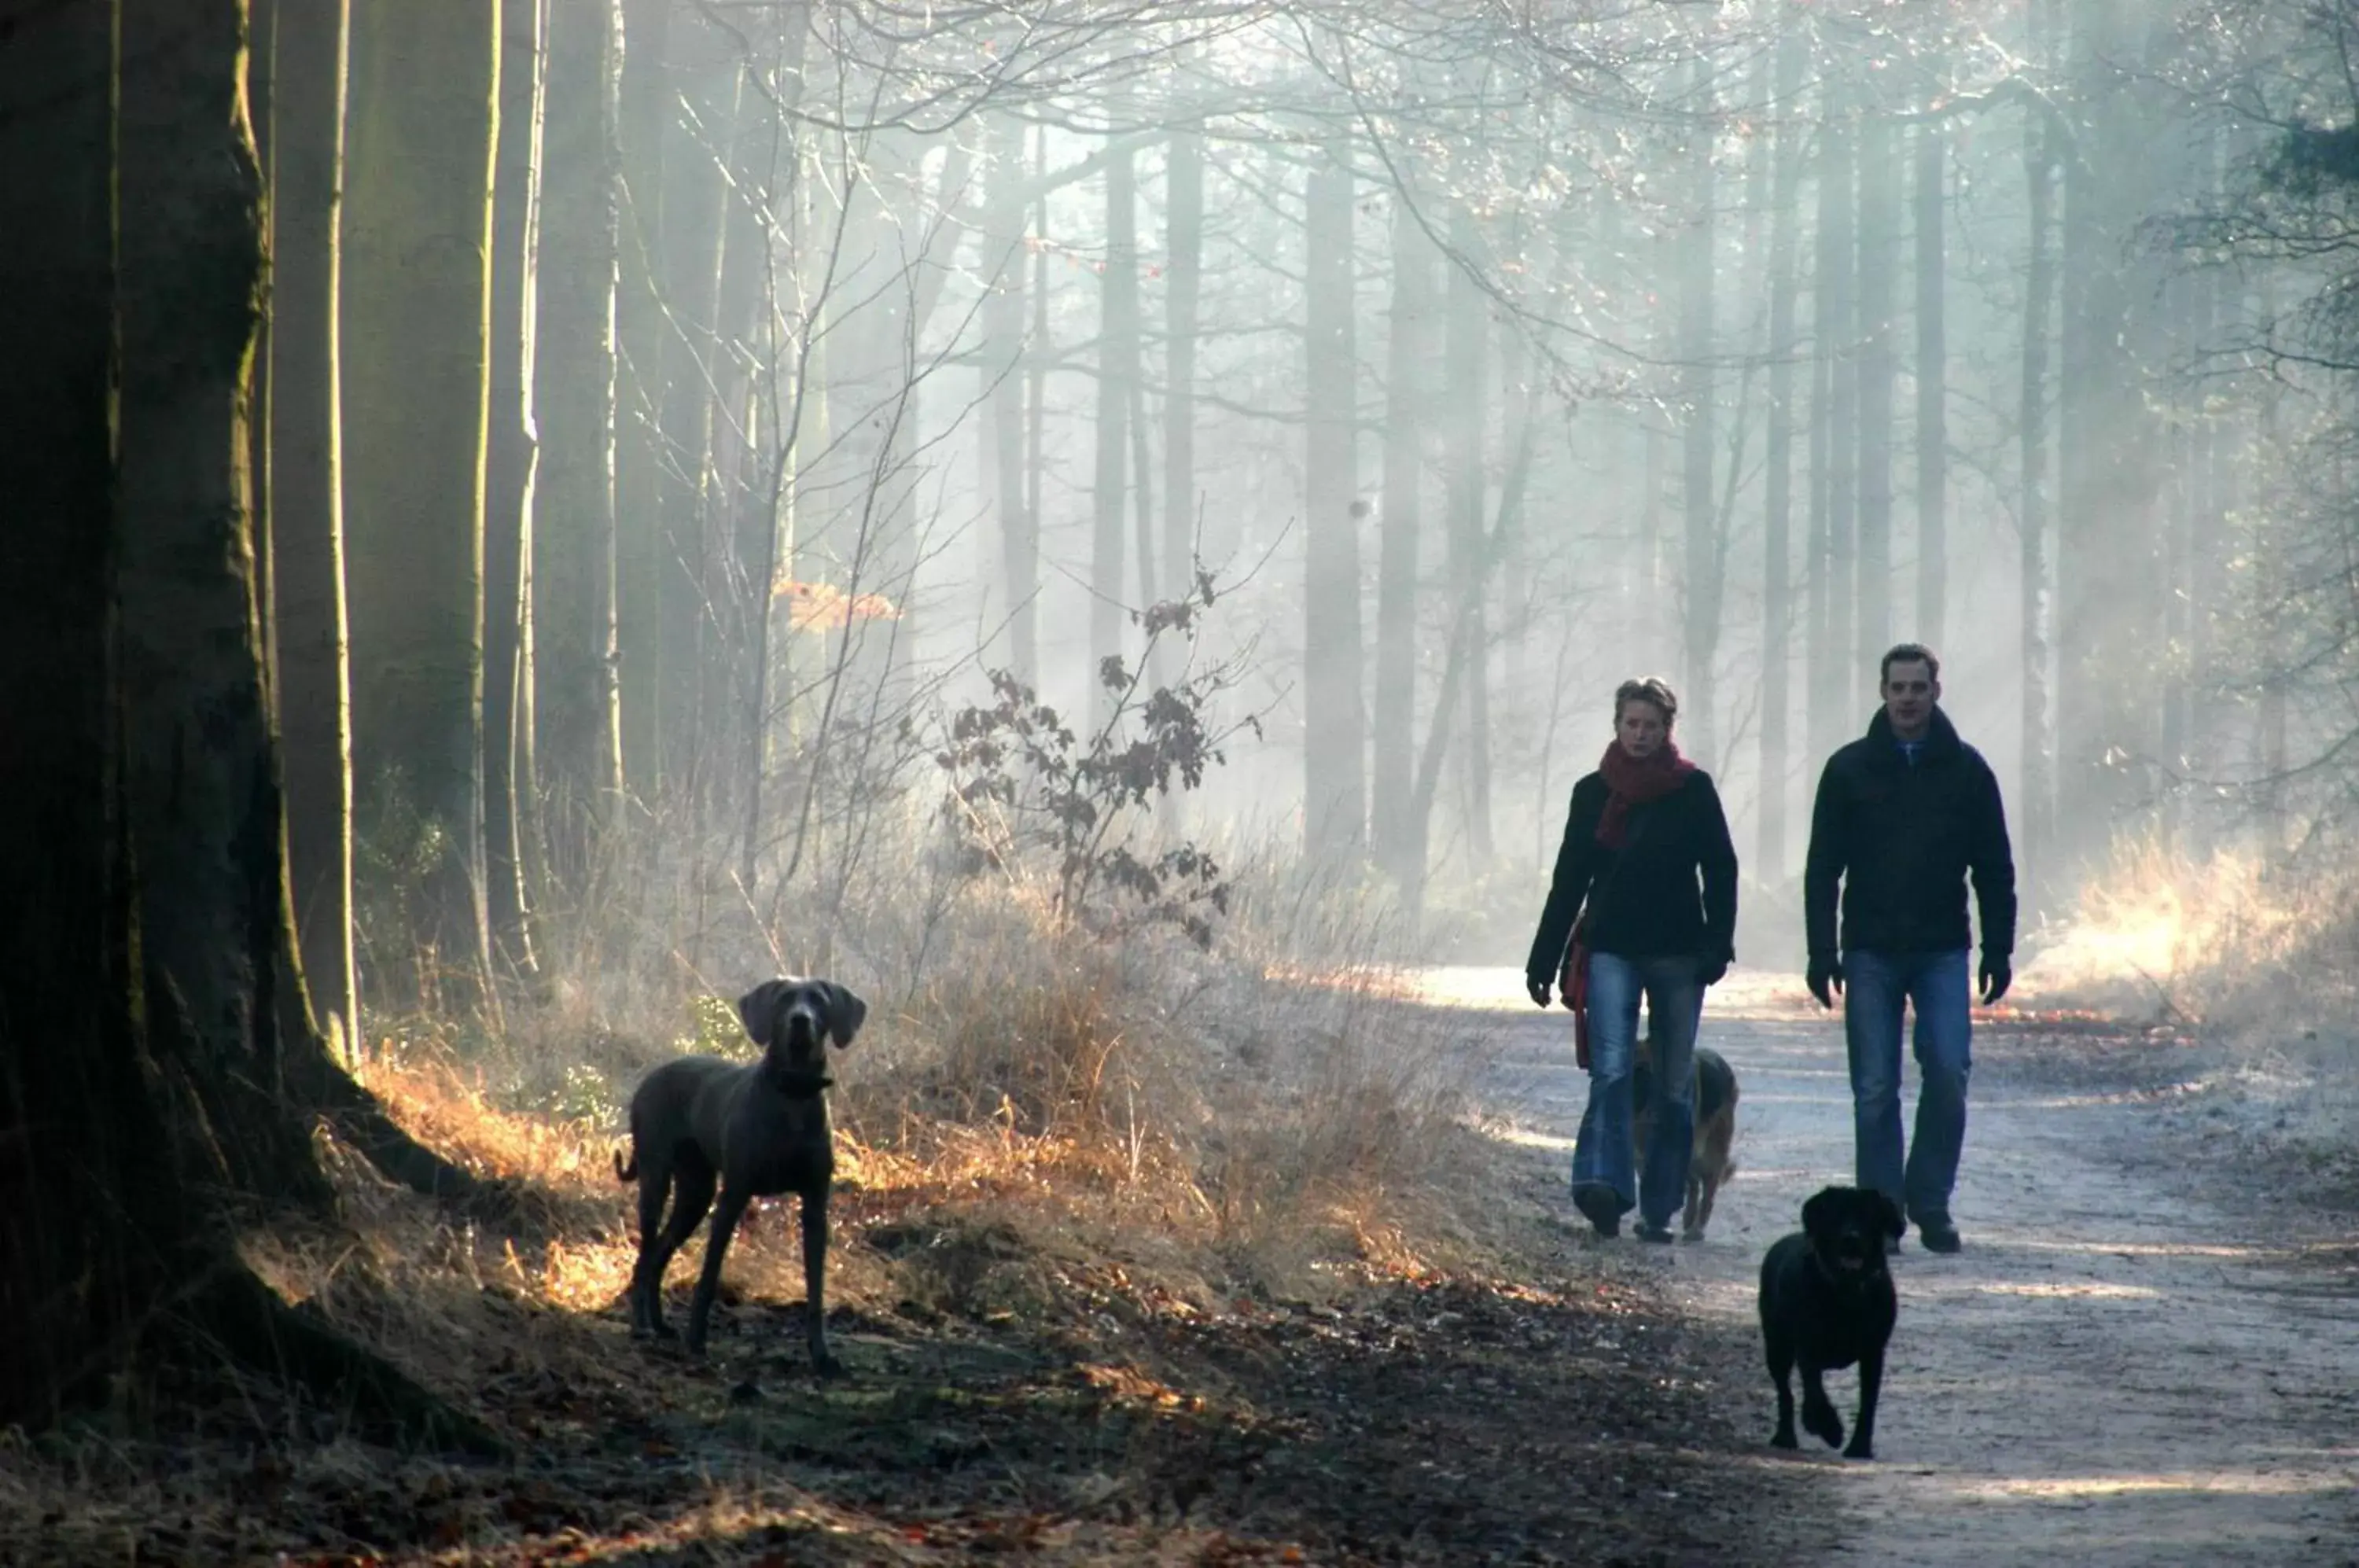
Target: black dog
x=1827, y=1302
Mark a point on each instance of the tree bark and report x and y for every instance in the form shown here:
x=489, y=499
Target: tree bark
x=1880, y=245
x=1003, y=371
x=1408, y=354
x=1118, y=365
x=1778, y=502
x=124, y=1076
x=511, y=462
x=1183, y=268
x=2105, y=531
x=1701, y=604
x=1834, y=434
x=417, y=236
x=700, y=133
x=1465, y=340
x=577, y=705
x=1335, y=778
x=75, y=1276
x=313, y=681
x=2034, y=804
x=1932, y=392
x=644, y=108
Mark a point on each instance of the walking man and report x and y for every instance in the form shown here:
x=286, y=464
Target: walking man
x=1903, y=817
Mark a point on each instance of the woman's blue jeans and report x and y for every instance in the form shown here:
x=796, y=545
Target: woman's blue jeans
x=1876, y=987
x=1605, y=1153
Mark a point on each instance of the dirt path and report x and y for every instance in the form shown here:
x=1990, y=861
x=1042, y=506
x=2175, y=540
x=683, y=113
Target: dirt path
x=2131, y=1363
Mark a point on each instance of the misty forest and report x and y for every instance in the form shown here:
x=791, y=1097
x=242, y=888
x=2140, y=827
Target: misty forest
x=1109, y=529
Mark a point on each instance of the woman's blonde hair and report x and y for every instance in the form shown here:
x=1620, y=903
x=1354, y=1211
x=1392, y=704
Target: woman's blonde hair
x=1650, y=689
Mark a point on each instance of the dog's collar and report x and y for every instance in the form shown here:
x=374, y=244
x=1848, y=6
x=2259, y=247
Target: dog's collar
x=1836, y=1277
x=796, y=1083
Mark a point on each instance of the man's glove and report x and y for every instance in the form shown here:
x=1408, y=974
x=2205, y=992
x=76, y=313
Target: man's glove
x=1539, y=987
x=1997, y=975
x=1711, y=970
x=1825, y=979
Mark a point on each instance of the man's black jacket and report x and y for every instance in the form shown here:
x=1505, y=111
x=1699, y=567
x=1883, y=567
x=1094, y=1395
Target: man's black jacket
x=1901, y=837
x=1646, y=897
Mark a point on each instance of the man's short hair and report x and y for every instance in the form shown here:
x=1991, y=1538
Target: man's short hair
x=1908, y=653
x=1647, y=689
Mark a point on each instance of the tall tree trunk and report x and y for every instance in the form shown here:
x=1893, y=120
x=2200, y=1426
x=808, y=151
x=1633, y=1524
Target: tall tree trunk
x=1118, y=350
x=307, y=524
x=1334, y=769
x=1700, y=603
x=148, y=977
x=417, y=237
x=1466, y=337
x=1879, y=245
x=76, y=1276
x=1002, y=372
x=1777, y=500
x=643, y=109
x=511, y=462
x=699, y=137
x=1408, y=354
x=2101, y=534
x=1183, y=265
x=2034, y=804
x=1834, y=414
x=1932, y=392
x=734, y=490
x=198, y=781
x=576, y=692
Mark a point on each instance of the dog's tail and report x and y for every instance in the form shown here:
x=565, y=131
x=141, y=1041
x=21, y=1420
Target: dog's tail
x=627, y=1171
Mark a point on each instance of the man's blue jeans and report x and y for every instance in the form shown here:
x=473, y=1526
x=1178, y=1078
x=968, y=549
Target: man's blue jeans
x=1938, y=985
x=1605, y=1152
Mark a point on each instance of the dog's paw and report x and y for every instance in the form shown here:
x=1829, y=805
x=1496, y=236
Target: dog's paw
x=1859, y=1450
x=1784, y=1438
x=1823, y=1424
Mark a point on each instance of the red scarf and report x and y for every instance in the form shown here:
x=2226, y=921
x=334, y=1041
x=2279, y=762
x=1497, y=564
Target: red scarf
x=1633, y=782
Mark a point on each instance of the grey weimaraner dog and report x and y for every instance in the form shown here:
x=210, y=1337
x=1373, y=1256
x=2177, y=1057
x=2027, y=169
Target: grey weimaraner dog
x=756, y=1129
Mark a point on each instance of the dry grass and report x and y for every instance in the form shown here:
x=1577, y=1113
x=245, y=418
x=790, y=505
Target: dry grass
x=2233, y=939
x=1115, y=1223
x=1253, y=1115
x=2258, y=954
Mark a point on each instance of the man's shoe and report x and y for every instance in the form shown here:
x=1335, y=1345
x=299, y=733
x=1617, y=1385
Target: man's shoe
x=1659, y=1234
x=1942, y=1238
x=1600, y=1207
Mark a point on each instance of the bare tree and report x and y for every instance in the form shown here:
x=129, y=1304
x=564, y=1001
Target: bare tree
x=1334, y=802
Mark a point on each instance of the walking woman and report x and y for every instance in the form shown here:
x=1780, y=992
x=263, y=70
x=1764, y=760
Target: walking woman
x=1647, y=867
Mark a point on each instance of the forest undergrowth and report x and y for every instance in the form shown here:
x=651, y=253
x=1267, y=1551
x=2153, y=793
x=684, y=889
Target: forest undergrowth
x=1144, y=1247
x=2252, y=957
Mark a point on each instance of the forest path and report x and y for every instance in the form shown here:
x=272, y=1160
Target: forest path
x=2133, y=1361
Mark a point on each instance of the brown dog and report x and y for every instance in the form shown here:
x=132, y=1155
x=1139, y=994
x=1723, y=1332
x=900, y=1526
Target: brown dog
x=1714, y=1100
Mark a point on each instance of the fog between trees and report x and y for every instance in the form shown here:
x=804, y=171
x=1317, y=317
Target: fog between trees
x=831, y=359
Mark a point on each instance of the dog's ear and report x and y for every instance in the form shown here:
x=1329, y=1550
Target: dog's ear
x=1819, y=1212
x=845, y=1014
x=757, y=1006
x=1889, y=1216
